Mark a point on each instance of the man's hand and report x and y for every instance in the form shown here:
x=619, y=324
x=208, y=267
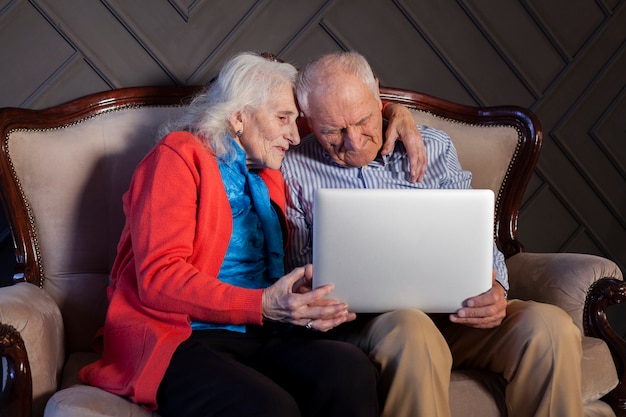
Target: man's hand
x=484, y=311
x=402, y=126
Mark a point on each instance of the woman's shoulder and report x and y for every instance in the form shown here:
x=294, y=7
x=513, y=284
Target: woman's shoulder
x=186, y=146
x=178, y=150
x=183, y=141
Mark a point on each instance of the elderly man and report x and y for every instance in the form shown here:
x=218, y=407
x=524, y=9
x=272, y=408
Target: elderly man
x=534, y=346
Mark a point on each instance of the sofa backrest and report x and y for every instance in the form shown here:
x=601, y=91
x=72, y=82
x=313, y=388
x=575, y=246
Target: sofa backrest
x=68, y=174
x=499, y=145
x=64, y=170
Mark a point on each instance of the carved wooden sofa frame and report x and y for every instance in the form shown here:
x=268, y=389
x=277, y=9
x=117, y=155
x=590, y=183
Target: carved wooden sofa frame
x=62, y=173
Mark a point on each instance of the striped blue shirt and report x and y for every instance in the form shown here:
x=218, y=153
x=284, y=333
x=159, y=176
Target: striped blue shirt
x=308, y=167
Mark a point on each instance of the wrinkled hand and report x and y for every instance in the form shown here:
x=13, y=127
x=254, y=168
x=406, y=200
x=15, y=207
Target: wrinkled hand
x=484, y=311
x=402, y=126
x=290, y=300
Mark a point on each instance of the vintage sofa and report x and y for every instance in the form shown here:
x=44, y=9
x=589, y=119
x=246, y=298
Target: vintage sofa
x=63, y=171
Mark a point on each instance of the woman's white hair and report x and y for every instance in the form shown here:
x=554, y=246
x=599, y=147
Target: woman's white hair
x=245, y=83
x=317, y=73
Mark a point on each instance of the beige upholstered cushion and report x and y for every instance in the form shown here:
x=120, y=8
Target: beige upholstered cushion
x=32, y=312
x=477, y=394
x=562, y=279
x=598, y=409
x=598, y=370
x=473, y=143
x=86, y=401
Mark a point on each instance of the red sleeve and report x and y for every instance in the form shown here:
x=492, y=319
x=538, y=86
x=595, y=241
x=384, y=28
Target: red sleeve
x=180, y=225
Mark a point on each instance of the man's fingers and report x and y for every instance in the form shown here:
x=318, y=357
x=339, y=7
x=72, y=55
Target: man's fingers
x=418, y=162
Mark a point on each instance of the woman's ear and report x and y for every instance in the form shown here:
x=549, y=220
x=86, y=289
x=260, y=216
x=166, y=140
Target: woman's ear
x=236, y=121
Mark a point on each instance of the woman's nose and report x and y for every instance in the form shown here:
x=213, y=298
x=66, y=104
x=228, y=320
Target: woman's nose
x=293, y=135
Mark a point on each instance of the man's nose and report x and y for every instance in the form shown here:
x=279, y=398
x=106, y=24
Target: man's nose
x=353, y=140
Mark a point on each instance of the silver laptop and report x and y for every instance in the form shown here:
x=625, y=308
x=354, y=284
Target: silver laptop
x=390, y=249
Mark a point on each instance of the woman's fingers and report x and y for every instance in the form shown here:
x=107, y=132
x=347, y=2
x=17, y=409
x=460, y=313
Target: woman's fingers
x=281, y=303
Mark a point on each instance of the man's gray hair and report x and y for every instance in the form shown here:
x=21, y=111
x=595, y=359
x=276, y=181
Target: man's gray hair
x=245, y=82
x=320, y=71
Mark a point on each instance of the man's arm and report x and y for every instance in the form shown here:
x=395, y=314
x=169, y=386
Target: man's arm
x=488, y=309
x=298, y=250
x=402, y=126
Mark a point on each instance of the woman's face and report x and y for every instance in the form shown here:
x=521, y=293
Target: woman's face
x=268, y=131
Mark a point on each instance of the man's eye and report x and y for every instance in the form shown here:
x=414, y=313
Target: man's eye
x=332, y=137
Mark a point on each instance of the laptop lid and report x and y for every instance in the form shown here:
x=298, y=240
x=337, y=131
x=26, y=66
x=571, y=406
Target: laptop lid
x=389, y=249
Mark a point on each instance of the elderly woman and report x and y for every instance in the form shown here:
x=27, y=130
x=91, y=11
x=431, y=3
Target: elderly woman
x=202, y=319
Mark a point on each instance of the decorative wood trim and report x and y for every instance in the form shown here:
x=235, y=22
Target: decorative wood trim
x=16, y=395
x=602, y=294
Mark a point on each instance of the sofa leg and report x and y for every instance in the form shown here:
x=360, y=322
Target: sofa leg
x=16, y=389
x=604, y=293
x=617, y=400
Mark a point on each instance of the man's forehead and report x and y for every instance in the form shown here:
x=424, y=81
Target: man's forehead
x=342, y=112
x=338, y=86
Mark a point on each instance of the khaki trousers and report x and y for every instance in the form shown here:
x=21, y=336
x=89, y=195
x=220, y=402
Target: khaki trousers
x=537, y=349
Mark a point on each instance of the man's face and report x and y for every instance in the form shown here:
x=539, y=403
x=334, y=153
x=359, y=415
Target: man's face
x=346, y=118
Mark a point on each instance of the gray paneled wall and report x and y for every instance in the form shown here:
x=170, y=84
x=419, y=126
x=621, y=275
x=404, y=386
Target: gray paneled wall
x=564, y=60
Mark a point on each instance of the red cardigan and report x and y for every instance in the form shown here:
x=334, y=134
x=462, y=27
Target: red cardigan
x=178, y=227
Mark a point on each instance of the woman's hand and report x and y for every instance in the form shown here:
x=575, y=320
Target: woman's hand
x=291, y=300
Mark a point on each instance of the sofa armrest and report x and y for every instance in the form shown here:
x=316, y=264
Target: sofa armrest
x=584, y=286
x=562, y=279
x=603, y=294
x=16, y=383
x=32, y=313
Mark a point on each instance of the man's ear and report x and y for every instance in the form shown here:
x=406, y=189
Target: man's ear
x=380, y=102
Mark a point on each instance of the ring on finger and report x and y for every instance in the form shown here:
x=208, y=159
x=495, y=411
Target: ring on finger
x=309, y=325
